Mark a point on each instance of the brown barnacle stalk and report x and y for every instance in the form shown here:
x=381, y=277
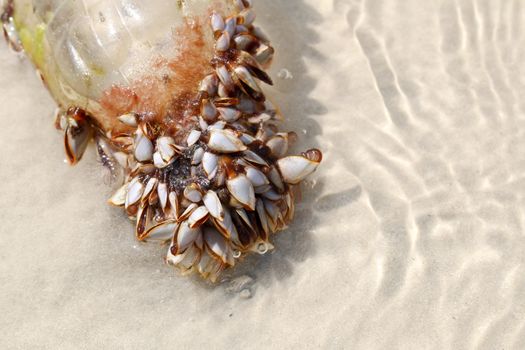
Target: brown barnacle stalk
x=218, y=187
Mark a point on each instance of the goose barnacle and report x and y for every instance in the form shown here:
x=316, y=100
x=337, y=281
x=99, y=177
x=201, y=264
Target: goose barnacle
x=206, y=168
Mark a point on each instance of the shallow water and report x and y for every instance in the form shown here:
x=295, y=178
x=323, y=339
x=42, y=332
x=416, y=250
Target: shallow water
x=410, y=236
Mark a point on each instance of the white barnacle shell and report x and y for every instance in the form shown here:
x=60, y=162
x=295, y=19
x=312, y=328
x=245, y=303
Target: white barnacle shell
x=226, y=226
x=242, y=4
x=150, y=187
x=261, y=118
x=210, y=164
x=174, y=259
x=208, y=111
x=193, y=137
x=203, y=124
x=184, y=260
x=129, y=119
x=217, y=22
x=240, y=28
x=230, y=25
x=197, y=156
x=192, y=193
x=161, y=232
x=222, y=91
x=274, y=214
x=264, y=133
x=162, y=190
x=229, y=114
x=220, y=125
x=174, y=203
x=263, y=189
x=256, y=177
x=218, y=245
x=186, y=236
x=224, y=76
x=165, y=153
x=291, y=206
x=165, y=147
x=245, y=76
x=243, y=41
x=258, y=32
x=186, y=214
x=254, y=158
x=247, y=16
x=143, y=219
x=134, y=192
x=209, y=84
x=143, y=148
x=207, y=265
x=198, y=217
x=247, y=105
x=264, y=55
x=272, y=195
x=223, y=43
x=294, y=169
x=247, y=138
x=214, y=205
x=77, y=135
x=276, y=179
x=119, y=197
x=158, y=161
x=278, y=145
x=241, y=189
x=225, y=141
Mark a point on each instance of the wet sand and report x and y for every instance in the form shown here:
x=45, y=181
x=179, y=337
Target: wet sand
x=410, y=235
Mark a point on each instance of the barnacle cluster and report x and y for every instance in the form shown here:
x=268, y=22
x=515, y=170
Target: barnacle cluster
x=217, y=182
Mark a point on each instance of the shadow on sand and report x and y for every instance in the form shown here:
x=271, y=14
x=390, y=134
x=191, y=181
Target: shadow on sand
x=292, y=27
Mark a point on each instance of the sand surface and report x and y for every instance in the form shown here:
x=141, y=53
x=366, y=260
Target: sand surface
x=410, y=236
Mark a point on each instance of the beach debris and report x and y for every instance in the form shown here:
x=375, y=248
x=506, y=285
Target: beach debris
x=209, y=172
